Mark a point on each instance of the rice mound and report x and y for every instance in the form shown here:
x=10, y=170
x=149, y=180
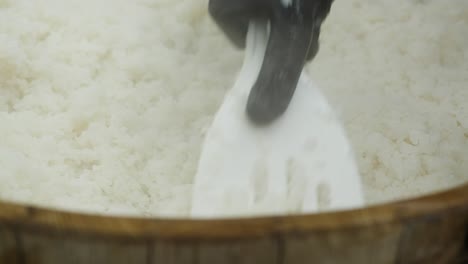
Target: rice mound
x=103, y=103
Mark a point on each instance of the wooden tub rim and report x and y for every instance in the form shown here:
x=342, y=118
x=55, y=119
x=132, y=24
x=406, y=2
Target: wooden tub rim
x=24, y=218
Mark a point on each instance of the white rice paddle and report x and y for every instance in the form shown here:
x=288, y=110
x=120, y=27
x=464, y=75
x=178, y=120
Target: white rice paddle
x=302, y=163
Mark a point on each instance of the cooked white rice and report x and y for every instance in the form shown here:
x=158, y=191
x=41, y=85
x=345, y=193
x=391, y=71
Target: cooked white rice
x=103, y=103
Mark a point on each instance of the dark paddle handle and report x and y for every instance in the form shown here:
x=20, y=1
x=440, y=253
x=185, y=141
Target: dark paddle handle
x=284, y=60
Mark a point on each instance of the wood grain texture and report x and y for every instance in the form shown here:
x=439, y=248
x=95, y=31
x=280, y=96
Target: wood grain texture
x=429, y=229
x=242, y=252
x=173, y=253
x=43, y=249
x=432, y=239
x=377, y=244
x=8, y=247
x=235, y=252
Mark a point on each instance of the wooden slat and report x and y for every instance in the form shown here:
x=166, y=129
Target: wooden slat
x=433, y=240
x=256, y=252
x=235, y=252
x=55, y=250
x=8, y=248
x=169, y=253
x=366, y=246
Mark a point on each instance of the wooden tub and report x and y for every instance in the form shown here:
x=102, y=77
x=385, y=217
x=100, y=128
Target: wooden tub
x=428, y=230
